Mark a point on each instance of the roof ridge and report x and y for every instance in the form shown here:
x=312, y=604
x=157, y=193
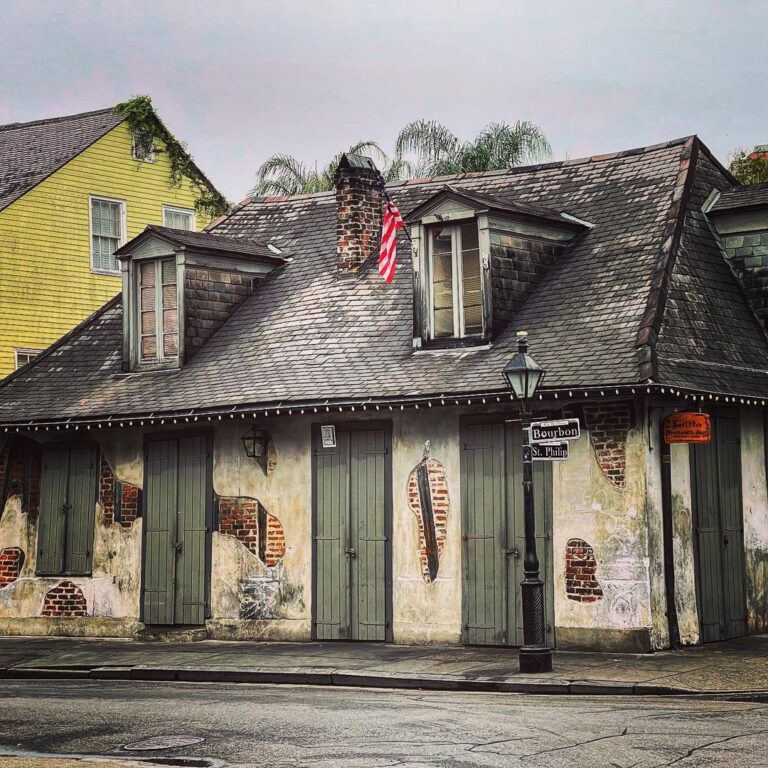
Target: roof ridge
x=82, y=325
x=62, y=118
x=653, y=316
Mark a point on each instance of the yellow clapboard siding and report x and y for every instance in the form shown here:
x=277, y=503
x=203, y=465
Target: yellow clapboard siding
x=46, y=283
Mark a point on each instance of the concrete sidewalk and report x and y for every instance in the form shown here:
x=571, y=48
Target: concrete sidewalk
x=738, y=667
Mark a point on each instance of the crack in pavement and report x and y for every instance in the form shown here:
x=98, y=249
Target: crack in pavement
x=693, y=750
x=574, y=746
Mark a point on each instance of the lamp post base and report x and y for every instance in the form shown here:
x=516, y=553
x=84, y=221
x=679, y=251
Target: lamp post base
x=535, y=659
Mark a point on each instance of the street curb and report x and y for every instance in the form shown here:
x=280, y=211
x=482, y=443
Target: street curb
x=362, y=679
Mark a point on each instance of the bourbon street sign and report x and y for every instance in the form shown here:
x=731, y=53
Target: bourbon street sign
x=553, y=431
x=549, y=451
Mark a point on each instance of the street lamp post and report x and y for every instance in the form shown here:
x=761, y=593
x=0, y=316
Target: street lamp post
x=523, y=375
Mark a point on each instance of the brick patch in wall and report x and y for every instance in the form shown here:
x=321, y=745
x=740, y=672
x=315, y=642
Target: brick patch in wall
x=581, y=583
x=257, y=530
x=428, y=499
x=65, y=600
x=120, y=501
x=608, y=425
x=11, y=563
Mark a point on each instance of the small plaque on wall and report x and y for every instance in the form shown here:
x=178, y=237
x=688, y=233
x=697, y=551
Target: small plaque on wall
x=685, y=427
x=328, y=435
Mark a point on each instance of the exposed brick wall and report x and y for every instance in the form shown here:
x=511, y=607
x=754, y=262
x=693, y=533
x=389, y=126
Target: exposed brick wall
x=440, y=503
x=748, y=253
x=210, y=296
x=120, y=501
x=257, y=530
x=517, y=265
x=358, y=217
x=65, y=600
x=21, y=464
x=581, y=584
x=608, y=425
x=11, y=564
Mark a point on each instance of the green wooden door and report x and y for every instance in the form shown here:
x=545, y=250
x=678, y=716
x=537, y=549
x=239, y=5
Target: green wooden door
x=352, y=537
x=493, y=534
x=176, y=531
x=716, y=475
x=68, y=492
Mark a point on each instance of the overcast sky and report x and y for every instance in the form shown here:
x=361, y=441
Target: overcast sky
x=241, y=80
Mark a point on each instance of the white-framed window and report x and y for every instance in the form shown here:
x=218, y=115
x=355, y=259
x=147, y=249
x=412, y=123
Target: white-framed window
x=24, y=355
x=179, y=218
x=455, y=287
x=107, y=233
x=142, y=152
x=157, y=311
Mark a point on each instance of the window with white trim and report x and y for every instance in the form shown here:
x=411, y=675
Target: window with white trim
x=25, y=355
x=456, y=297
x=179, y=218
x=107, y=233
x=143, y=150
x=158, y=311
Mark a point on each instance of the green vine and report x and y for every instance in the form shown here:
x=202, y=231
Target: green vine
x=149, y=132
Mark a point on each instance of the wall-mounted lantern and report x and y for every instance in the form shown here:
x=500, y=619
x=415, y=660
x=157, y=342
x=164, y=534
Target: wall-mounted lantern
x=255, y=444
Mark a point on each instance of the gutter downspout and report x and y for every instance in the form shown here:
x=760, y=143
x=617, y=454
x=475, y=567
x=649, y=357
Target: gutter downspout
x=668, y=540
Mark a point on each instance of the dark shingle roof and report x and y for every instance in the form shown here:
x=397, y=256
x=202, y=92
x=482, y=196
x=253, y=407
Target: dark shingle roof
x=30, y=152
x=308, y=335
x=751, y=196
x=209, y=242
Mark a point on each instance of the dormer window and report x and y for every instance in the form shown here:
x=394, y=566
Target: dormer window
x=158, y=337
x=179, y=287
x=476, y=259
x=455, y=272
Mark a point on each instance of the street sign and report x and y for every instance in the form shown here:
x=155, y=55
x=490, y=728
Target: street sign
x=553, y=431
x=684, y=427
x=550, y=451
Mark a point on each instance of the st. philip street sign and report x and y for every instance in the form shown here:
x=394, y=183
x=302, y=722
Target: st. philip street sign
x=549, y=451
x=555, y=431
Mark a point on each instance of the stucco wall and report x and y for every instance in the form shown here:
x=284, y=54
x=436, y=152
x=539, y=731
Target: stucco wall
x=618, y=524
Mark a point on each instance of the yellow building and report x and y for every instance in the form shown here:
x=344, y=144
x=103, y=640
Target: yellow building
x=72, y=190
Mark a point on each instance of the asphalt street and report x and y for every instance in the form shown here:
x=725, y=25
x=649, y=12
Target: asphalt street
x=290, y=727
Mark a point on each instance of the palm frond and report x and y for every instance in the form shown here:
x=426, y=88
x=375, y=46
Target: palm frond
x=282, y=175
x=427, y=139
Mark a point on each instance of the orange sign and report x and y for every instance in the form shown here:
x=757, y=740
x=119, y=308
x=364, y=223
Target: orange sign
x=687, y=428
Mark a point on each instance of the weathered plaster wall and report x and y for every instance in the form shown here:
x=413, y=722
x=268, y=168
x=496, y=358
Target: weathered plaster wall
x=612, y=519
x=755, y=503
x=110, y=595
x=683, y=545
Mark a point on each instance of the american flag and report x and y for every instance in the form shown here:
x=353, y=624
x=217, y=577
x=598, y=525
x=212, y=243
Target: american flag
x=388, y=253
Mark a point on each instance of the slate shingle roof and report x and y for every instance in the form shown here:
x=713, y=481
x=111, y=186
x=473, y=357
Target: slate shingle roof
x=308, y=335
x=30, y=152
x=751, y=196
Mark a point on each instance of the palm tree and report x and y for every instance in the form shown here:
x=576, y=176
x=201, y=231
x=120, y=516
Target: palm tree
x=497, y=146
x=285, y=175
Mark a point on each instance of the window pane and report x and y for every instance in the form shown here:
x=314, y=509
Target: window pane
x=170, y=344
x=106, y=224
x=147, y=272
x=442, y=281
x=148, y=324
x=149, y=348
x=169, y=271
x=177, y=219
x=472, y=297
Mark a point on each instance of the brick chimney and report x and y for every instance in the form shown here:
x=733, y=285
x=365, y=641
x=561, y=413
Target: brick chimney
x=358, y=212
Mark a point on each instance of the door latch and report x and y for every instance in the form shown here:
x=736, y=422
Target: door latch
x=178, y=546
x=351, y=552
x=515, y=552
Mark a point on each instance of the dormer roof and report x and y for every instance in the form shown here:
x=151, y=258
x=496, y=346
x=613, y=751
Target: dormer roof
x=503, y=205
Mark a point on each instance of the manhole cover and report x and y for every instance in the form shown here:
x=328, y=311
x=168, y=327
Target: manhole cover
x=163, y=742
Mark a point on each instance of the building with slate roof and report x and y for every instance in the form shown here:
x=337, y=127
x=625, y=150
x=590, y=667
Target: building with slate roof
x=261, y=438
x=72, y=190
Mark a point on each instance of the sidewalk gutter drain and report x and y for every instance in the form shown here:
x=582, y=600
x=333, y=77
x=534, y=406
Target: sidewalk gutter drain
x=162, y=742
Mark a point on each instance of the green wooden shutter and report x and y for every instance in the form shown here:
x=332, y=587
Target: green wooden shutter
x=160, y=532
x=332, y=572
x=191, y=536
x=52, y=521
x=368, y=535
x=81, y=510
